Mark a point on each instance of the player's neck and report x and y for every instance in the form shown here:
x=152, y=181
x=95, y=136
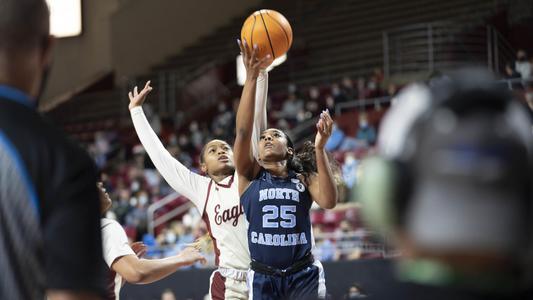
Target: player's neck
x=13, y=73
x=277, y=168
x=219, y=177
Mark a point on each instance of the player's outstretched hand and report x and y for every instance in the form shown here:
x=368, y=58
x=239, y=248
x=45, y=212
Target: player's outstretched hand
x=252, y=64
x=324, y=127
x=136, y=98
x=139, y=248
x=190, y=255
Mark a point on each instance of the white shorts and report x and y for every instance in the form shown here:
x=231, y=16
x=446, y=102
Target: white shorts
x=228, y=284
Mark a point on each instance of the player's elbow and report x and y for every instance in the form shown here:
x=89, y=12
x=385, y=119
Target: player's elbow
x=136, y=277
x=131, y=268
x=329, y=204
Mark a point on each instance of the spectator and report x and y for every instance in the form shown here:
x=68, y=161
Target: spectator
x=510, y=72
x=522, y=65
x=362, y=92
x=349, y=170
x=290, y=109
x=373, y=88
x=222, y=122
x=338, y=94
x=330, y=103
x=336, y=138
x=325, y=249
x=348, y=88
x=168, y=295
x=366, y=132
x=197, y=138
x=392, y=90
x=355, y=292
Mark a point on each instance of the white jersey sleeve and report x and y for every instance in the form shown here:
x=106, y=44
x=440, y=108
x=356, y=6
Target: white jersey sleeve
x=182, y=180
x=114, y=240
x=260, y=115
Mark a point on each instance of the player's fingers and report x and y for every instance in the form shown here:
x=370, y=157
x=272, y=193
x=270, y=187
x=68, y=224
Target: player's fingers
x=141, y=253
x=262, y=61
x=193, y=246
x=327, y=115
x=202, y=260
x=147, y=85
x=135, y=91
x=241, y=48
x=130, y=95
x=319, y=125
x=246, y=50
x=253, y=58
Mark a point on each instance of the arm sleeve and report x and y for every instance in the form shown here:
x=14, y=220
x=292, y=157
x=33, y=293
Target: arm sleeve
x=71, y=225
x=115, y=242
x=260, y=115
x=181, y=179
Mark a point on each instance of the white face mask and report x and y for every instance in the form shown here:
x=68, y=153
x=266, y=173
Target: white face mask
x=170, y=237
x=143, y=199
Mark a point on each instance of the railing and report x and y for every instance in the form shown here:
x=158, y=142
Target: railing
x=344, y=245
x=153, y=222
x=438, y=46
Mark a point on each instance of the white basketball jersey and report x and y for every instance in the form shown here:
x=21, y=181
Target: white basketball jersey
x=227, y=225
x=219, y=203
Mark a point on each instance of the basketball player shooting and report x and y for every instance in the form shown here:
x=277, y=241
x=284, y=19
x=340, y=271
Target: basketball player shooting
x=276, y=196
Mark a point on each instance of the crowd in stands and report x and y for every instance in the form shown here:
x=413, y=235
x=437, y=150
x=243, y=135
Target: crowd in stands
x=134, y=183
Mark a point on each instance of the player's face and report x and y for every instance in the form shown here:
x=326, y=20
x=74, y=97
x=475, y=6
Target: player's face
x=218, y=158
x=273, y=145
x=105, y=200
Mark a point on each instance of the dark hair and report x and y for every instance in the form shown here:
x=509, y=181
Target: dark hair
x=202, y=152
x=24, y=24
x=304, y=162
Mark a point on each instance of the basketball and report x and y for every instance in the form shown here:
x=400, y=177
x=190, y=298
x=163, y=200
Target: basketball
x=270, y=30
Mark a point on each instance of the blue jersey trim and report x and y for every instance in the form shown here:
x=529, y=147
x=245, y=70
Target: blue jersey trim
x=16, y=95
x=19, y=164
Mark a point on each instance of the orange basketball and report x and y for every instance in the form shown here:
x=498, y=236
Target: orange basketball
x=270, y=31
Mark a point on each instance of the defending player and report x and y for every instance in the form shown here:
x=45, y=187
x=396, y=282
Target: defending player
x=277, y=195
x=215, y=195
x=123, y=262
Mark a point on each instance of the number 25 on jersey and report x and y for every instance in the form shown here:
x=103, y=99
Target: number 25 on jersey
x=284, y=212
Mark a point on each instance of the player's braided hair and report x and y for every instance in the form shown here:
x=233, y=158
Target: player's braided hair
x=304, y=161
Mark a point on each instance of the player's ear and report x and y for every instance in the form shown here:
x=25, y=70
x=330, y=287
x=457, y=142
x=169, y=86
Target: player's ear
x=290, y=152
x=203, y=167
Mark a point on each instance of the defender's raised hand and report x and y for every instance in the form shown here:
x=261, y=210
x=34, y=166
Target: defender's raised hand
x=136, y=98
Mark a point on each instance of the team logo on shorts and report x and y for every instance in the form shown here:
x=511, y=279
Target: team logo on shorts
x=300, y=187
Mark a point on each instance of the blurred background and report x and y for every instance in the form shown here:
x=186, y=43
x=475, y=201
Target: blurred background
x=351, y=56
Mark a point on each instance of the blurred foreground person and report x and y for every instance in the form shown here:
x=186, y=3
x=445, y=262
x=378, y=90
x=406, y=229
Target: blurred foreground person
x=50, y=243
x=453, y=187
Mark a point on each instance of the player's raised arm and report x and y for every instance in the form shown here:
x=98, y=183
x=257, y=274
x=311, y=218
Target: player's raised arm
x=181, y=179
x=245, y=163
x=322, y=185
x=260, y=116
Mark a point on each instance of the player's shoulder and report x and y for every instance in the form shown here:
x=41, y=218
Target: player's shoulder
x=109, y=223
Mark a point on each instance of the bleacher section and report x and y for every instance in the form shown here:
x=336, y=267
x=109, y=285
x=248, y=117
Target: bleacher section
x=332, y=39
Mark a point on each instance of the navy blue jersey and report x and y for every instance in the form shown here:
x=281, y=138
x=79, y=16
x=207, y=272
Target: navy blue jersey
x=278, y=212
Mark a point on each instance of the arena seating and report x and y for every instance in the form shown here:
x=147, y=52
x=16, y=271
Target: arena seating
x=340, y=37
